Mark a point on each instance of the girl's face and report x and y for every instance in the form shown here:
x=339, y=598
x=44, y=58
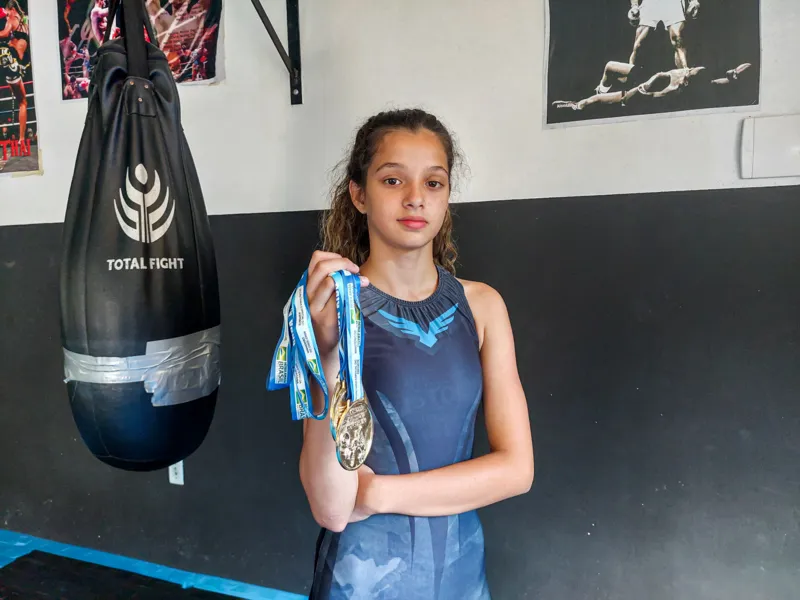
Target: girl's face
x=407, y=190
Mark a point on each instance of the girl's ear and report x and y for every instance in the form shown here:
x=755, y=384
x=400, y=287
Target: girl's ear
x=357, y=196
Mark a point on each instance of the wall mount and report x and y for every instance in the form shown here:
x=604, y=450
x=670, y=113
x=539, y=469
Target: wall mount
x=291, y=58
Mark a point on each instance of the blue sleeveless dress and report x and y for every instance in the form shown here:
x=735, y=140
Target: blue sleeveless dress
x=422, y=375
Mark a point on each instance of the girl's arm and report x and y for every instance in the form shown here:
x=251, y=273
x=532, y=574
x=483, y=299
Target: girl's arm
x=330, y=489
x=505, y=472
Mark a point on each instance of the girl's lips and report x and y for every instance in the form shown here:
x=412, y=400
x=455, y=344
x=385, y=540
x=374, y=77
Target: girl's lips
x=414, y=222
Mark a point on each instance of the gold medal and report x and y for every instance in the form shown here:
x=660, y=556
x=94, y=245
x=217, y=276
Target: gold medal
x=354, y=435
x=338, y=406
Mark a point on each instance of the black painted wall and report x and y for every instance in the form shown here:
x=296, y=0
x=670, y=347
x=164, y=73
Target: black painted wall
x=658, y=340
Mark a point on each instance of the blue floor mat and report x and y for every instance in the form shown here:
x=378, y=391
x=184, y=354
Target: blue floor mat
x=14, y=546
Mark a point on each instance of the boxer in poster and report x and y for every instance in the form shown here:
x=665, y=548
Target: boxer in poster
x=18, y=126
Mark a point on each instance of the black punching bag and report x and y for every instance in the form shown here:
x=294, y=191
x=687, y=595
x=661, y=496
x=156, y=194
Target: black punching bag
x=140, y=317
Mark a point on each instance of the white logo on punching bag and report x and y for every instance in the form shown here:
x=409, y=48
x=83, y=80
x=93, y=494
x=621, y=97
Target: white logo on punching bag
x=149, y=223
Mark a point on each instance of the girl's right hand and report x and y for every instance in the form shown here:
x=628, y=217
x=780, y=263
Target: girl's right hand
x=322, y=298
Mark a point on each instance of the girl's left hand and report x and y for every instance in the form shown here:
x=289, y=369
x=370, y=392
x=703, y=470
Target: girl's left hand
x=364, y=507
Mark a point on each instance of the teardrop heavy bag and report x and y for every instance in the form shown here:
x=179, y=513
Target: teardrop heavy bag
x=140, y=314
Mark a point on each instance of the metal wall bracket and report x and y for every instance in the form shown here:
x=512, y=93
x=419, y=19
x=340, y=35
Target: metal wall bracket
x=292, y=58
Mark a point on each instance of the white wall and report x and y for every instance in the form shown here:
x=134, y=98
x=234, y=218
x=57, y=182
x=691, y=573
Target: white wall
x=257, y=153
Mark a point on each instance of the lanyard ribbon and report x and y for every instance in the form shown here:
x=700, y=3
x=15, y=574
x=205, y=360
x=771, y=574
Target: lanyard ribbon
x=297, y=354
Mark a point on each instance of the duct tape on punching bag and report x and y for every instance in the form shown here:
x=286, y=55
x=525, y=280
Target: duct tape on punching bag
x=140, y=314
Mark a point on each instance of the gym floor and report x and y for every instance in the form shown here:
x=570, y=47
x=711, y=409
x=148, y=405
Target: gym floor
x=35, y=568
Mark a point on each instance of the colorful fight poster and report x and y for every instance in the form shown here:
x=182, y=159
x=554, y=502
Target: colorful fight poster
x=635, y=59
x=19, y=136
x=187, y=31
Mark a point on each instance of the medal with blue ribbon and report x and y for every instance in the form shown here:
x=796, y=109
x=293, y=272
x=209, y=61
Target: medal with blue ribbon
x=297, y=354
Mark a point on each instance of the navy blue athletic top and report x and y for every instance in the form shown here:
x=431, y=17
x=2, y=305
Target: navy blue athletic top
x=422, y=375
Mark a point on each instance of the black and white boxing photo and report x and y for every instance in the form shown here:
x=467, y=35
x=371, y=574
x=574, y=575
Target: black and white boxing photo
x=612, y=59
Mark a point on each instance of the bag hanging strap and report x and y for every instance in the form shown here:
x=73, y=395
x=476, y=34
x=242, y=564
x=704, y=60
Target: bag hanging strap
x=133, y=23
x=112, y=14
x=110, y=19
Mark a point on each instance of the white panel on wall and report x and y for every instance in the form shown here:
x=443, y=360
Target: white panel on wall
x=771, y=147
x=478, y=64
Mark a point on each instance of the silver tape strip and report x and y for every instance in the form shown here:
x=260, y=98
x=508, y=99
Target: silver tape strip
x=175, y=371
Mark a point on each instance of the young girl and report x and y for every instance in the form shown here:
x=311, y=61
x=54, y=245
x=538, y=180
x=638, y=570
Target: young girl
x=404, y=525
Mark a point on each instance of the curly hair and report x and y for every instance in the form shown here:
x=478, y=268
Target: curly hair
x=344, y=229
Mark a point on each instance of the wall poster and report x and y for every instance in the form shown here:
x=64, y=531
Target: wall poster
x=634, y=59
x=188, y=32
x=19, y=134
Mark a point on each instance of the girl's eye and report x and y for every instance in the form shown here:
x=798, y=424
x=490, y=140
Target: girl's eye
x=435, y=183
x=391, y=181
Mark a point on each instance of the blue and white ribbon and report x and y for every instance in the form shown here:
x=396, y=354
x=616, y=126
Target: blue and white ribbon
x=297, y=352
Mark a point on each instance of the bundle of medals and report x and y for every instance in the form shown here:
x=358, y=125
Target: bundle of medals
x=297, y=354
